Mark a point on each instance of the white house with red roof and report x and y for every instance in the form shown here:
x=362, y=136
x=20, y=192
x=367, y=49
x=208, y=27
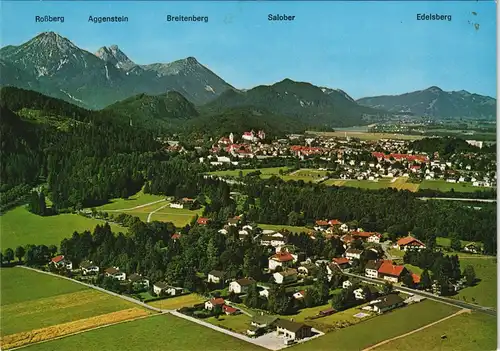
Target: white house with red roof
x=203, y=220
x=341, y=262
x=214, y=302
x=409, y=243
x=60, y=262
x=281, y=259
x=391, y=272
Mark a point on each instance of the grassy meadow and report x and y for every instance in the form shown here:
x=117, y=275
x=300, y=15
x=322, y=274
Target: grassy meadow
x=366, y=135
x=133, y=201
x=21, y=227
x=375, y=330
x=465, y=332
x=290, y=228
x=235, y=173
x=442, y=185
x=38, y=306
x=175, y=303
x=162, y=332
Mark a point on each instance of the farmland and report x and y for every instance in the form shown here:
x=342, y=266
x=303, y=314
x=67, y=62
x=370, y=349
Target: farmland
x=400, y=183
x=366, y=135
x=133, y=201
x=290, y=228
x=39, y=230
x=265, y=172
x=162, y=332
x=444, y=186
x=383, y=327
x=482, y=335
x=44, y=312
x=238, y=323
x=175, y=303
x=484, y=293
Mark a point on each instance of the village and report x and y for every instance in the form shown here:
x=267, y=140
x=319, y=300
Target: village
x=365, y=281
x=350, y=158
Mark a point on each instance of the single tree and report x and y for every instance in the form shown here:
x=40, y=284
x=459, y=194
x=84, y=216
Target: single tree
x=387, y=288
x=425, y=280
x=470, y=275
x=20, y=252
x=8, y=255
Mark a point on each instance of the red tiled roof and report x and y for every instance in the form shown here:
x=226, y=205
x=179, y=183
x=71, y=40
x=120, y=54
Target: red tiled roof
x=229, y=309
x=282, y=257
x=322, y=223
x=340, y=260
x=217, y=301
x=416, y=278
x=202, y=220
x=175, y=236
x=388, y=268
x=366, y=235
x=347, y=238
x=409, y=240
x=58, y=259
x=334, y=222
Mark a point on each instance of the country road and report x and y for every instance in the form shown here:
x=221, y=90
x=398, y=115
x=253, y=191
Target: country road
x=153, y=212
x=136, y=207
x=430, y=296
x=456, y=199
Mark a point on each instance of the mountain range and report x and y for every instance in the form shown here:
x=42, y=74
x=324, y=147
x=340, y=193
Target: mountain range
x=168, y=94
x=435, y=102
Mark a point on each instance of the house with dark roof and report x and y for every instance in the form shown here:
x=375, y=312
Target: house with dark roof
x=292, y=330
x=371, y=268
x=138, y=280
x=241, y=285
x=115, y=273
x=387, y=303
x=353, y=254
x=215, y=276
x=88, y=267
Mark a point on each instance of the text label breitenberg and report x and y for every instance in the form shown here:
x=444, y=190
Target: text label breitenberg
x=181, y=18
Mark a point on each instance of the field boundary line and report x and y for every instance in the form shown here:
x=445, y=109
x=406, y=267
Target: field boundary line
x=136, y=207
x=464, y=310
x=86, y=330
x=153, y=212
x=127, y=298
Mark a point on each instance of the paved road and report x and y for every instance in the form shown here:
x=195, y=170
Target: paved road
x=456, y=199
x=128, y=298
x=442, y=299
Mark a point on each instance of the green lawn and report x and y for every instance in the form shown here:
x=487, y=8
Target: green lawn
x=466, y=332
x=163, y=332
x=485, y=292
x=238, y=323
x=380, y=328
x=446, y=242
x=443, y=185
x=396, y=252
x=364, y=184
x=135, y=200
x=17, y=285
x=53, y=301
x=265, y=172
x=178, y=216
x=290, y=228
x=21, y=227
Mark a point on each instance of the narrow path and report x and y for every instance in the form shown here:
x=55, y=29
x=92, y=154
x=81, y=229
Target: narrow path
x=159, y=208
x=127, y=298
x=417, y=330
x=136, y=207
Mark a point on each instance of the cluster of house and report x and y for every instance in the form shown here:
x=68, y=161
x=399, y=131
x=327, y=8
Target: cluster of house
x=186, y=203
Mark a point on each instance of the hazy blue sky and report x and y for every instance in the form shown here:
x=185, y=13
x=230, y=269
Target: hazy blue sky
x=365, y=48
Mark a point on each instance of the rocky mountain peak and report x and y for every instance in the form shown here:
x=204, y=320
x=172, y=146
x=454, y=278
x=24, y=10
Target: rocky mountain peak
x=115, y=56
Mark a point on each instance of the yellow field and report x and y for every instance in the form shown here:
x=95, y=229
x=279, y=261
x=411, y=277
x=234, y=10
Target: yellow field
x=52, y=332
x=402, y=184
x=54, y=310
x=175, y=303
x=366, y=135
x=337, y=182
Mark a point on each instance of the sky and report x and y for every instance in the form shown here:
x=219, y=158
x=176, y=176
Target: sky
x=364, y=48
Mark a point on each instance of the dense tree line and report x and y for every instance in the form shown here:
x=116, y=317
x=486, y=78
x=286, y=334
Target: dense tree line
x=375, y=210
